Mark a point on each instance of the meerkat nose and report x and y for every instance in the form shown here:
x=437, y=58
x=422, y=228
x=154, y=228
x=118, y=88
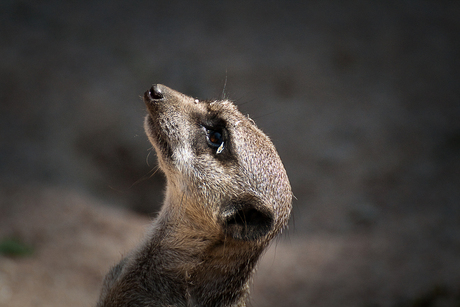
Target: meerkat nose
x=155, y=92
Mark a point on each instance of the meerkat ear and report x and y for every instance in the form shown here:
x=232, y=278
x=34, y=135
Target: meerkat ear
x=247, y=221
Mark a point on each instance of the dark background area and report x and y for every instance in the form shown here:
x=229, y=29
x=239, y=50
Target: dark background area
x=361, y=98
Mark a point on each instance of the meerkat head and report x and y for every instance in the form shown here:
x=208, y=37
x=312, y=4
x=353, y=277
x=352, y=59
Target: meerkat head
x=224, y=174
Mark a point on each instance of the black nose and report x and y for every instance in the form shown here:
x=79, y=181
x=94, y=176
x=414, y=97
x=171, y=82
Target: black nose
x=155, y=92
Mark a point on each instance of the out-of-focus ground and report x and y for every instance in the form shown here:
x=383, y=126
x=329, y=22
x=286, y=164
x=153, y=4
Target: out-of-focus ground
x=362, y=100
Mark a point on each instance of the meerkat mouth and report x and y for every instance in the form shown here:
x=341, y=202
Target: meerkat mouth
x=152, y=98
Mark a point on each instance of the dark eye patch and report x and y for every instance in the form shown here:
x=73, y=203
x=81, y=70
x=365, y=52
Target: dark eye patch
x=213, y=136
x=215, y=139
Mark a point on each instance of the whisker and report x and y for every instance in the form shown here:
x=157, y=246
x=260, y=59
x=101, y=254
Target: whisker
x=267, y=114
x=225, y=86
x=153, y=171
x=151, y=149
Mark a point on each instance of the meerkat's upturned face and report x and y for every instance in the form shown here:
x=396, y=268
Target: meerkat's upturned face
x=219, y=165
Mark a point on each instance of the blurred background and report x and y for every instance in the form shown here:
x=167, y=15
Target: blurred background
x=361, y=98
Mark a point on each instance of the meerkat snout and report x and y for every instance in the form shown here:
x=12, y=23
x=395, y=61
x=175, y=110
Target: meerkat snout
x=227, y=196
x=154, y=93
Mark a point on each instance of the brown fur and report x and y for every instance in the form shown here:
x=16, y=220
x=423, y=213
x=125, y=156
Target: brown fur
x=223, y=205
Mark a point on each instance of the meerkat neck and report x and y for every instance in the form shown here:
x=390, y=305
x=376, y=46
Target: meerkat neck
x=209, y=272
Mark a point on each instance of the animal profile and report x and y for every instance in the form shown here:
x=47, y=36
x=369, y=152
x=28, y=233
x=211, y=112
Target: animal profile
x=227, y=196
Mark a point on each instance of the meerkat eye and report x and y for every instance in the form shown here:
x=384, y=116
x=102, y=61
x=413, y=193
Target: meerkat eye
x=215, y=138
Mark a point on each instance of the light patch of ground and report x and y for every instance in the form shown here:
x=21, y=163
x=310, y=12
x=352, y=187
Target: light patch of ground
x=76, y=239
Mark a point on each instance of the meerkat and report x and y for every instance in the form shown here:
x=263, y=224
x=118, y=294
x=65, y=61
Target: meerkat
x=227, y=196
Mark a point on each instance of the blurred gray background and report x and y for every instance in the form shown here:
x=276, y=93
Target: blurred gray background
x=361, y=98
